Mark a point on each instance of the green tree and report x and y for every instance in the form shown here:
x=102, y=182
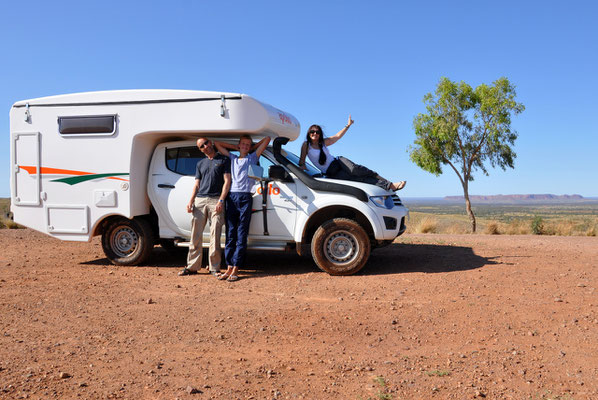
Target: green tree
x=465, y=129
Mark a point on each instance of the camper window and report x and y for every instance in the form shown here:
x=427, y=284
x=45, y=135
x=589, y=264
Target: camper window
x=93, y=124
x=183, y=160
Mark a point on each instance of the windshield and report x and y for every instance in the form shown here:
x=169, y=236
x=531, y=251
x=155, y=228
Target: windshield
x=311, y=170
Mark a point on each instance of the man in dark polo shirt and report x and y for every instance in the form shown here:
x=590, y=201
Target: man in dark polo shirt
x=212, y=183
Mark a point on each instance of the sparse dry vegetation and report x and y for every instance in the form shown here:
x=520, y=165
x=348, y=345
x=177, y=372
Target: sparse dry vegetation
x=427, y=224
x=543, y=219
x=518, y=227
x=556, y=220
x=7, y=223
x=492, y=228
x=4, y=211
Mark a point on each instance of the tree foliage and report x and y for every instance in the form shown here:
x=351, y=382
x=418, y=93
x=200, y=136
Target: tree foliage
x=466, y=129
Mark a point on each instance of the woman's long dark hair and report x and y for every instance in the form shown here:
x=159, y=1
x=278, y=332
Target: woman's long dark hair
x=314, y=127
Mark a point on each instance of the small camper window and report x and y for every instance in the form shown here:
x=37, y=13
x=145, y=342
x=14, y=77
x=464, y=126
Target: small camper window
x=183, y=160
x=86, y=125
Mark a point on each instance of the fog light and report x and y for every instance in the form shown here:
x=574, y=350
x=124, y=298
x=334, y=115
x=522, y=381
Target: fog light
x=391, y=223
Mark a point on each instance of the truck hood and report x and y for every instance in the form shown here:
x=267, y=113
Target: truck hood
x=371, y=190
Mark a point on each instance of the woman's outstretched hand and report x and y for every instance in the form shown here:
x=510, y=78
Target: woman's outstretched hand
x=333, y=139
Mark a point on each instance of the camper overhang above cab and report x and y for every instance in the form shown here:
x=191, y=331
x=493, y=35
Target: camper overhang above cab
x=182, y=111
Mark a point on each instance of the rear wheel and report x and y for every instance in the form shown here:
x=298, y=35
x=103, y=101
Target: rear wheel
x=340, y=247
x=128, y=242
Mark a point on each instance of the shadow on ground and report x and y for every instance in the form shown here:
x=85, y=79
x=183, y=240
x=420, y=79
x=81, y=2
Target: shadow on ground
x=393, y=259
x=428, y=258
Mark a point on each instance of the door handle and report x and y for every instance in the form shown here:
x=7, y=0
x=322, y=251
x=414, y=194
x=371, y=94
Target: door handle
x=165, y=186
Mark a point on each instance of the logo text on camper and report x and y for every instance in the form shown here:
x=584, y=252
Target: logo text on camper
x=284, y=119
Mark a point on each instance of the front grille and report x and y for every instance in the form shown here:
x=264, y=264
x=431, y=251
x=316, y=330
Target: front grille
x=396, y=200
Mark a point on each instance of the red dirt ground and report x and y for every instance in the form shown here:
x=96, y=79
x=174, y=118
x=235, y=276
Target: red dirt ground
x=429, y=317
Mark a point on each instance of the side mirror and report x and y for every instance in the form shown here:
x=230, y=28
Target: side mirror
x=278, y=173
x=255, y=172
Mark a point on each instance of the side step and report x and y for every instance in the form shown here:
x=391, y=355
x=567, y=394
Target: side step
x=260, y=246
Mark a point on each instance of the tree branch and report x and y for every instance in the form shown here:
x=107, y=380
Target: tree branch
x=446, y=161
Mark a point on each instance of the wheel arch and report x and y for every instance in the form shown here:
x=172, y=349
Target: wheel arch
x=101, y=224
x=331, y=212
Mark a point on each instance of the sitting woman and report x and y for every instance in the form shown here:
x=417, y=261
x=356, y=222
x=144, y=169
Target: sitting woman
x=316, y=148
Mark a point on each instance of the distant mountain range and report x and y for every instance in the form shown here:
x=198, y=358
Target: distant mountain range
x=519, y=198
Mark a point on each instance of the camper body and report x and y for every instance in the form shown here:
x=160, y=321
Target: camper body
x=121, y=164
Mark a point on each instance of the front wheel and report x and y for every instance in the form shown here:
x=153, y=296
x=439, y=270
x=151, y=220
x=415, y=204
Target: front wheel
x=340, y=247
x=128, y=241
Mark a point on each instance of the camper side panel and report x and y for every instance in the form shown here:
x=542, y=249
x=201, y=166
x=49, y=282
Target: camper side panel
x=62, y=183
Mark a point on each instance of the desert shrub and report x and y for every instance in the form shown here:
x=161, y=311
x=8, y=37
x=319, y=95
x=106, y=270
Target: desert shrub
x=563, y=228
x=427, y=225
x=538, y=226
x=10, y=224
x=518, y=227
x=492, y=228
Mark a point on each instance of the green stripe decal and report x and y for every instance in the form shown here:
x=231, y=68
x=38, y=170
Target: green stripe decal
x=73, y=180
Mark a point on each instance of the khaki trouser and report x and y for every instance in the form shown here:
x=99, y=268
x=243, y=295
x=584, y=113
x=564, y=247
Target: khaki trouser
x=203, y=211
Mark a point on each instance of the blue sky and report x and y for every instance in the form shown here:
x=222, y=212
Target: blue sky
x=321, y=60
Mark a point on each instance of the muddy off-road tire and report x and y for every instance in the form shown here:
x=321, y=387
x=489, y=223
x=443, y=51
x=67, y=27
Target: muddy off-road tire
x=340, y=247
x=128, y=242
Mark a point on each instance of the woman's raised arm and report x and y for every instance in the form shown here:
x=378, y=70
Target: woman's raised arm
x=333, y=139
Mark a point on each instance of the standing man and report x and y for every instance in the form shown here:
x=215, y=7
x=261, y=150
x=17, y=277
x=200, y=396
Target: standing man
x=212, y=183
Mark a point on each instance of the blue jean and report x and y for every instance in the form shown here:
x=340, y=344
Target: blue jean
x=238, y=216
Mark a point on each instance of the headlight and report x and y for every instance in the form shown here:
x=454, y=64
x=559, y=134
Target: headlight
x=382, y=201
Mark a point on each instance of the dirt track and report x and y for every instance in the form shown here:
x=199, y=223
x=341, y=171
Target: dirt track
x=430, y=317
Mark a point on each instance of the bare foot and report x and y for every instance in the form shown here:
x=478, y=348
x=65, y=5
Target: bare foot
x=398, y=185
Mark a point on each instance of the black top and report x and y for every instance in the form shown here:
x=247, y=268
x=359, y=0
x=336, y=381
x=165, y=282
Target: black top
x=211, y=175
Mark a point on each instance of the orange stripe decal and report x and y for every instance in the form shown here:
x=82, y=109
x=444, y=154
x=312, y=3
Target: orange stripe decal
x=58, y=171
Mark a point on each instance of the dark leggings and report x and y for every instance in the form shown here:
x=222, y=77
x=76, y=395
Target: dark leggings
x=343, y=168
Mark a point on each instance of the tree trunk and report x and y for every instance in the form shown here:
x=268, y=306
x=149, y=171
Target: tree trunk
x=468, y=207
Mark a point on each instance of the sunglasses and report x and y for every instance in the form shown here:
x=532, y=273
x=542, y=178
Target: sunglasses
x=310, y=132
x=204, y=144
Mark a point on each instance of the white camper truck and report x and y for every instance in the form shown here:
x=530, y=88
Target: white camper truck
x=121, y=164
